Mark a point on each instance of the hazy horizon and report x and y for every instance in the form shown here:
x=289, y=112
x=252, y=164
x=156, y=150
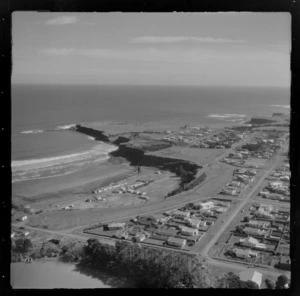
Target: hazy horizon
x=209, y=49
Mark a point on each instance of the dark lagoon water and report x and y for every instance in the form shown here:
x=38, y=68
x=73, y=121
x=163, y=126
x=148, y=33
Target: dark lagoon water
x=36, y=108
x=52, y=274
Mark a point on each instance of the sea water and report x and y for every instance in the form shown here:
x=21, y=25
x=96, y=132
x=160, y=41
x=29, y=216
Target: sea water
x=43, y=114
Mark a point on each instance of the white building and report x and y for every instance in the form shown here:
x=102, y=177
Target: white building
x=116, y=226
x=195, y=223
x=255, y=231
x=252, y=243
x=251, y=275
x=181, y=214
x=177, y=242
x=242, y=253
x=189, y=231
x=207, y=205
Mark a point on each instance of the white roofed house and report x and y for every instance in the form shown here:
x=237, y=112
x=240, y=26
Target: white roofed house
x=252, y=243
x=248, y=242
x=264, y=214
x=189, y=231
x=255, y=231
x=160, y=218
x=259, y=224
x=116, y=226
x=251, y=275
x=176, y=242
x=206, y=205
x=245, y=253
x=195, y=223
x=181, y=214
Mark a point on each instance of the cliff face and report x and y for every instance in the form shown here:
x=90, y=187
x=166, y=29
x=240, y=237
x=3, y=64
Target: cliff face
x=186, y=170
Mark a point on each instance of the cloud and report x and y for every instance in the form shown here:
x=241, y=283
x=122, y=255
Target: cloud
x=177, y=39
x=58, y=51
x=174, y=55
x=63, y=20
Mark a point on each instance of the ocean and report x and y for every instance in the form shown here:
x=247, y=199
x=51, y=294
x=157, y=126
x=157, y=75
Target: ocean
x=42, y=114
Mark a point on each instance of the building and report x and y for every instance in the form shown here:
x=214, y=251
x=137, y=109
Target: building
x=244, y=253
x=160, y=218
x=23, y=218
x=263, y=214
x=195, y=223
x=205, y=205
x=252, y=243
x=176, y=242
x=181, y=214
x=249, y=242
x=116, y=226
x=255, y=231
x=251, y=275
x=139, y=237
x=220, y=209
x=229, y=191
x=259, y=224
x=264, y=207
x=189, y=231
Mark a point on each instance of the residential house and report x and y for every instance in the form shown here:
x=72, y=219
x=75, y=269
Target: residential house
x=166, y=232
x=116, y=226
x=181, y=214
x=255, y=231
x=249, y=242
x=252, y=243
x=195, y=223
x=264, y=193
x=220, y=209
x=189, y=231
x=207, y=205
x=251, y=275
x=245, y=253
x=176, y=242
x=229, y=191
x=139, y=237
x=259, y=224
x=160, y=218
x=264, y=214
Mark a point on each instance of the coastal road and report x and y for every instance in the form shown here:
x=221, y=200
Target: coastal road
x=236, y=211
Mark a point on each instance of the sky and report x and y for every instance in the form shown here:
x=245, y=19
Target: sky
x=214, y=49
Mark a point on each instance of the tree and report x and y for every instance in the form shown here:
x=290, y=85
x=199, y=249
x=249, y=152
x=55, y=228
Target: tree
x=249, y=285
x=23, y=245
x=239, y=229
x=269, y=284
x=48, y=249
x=246, y=219
x=282, y=280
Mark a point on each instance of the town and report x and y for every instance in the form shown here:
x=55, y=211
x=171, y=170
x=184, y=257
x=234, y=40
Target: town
x=238, y=214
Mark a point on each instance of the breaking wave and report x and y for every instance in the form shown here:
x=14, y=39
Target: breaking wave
x=58, y=128
x=65, y=127
x=282, y=106
x=32, y=132
x=101, y=150
x=227, y=116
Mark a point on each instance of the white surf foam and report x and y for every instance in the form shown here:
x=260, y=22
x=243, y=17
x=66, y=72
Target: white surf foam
x=32, y=132
x=65, y=127
x=101, y=149
x=227, y=116
x=282, y=106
